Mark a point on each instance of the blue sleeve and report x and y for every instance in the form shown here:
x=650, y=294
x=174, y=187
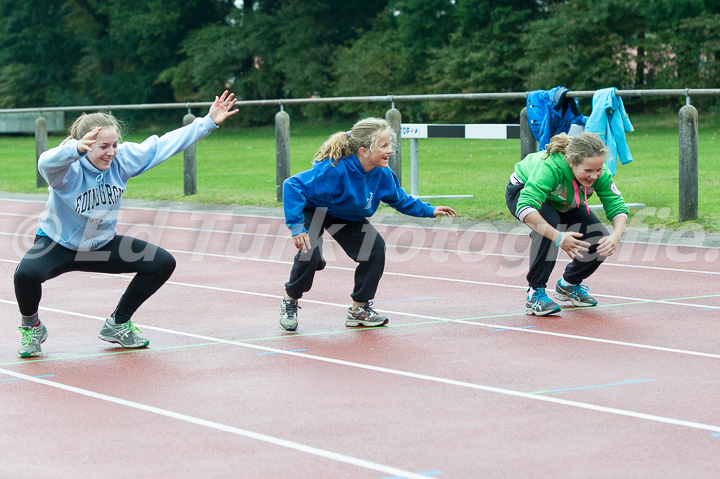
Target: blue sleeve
x=301, y=189
x=294, y=201
x=55, y=164
x=138, y=158
x=406, y=204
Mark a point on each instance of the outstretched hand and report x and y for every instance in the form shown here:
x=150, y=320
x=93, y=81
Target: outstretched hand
x=221, y=109
x=86, y=142
x=444, y=211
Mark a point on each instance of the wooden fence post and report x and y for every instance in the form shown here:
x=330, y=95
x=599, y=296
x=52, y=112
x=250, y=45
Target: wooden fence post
x=190, y=162
x=688, y=161
x=282, y=152
x=394, y=118
x=528, y=144
x=41, y=140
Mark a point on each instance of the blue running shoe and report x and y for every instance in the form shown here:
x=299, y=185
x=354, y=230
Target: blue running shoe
x=577, y=294
x=540, y=305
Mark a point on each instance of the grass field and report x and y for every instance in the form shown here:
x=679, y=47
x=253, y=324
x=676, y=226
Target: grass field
x=237, y=166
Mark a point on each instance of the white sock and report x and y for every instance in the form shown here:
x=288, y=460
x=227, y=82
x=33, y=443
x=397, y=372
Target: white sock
x=111, y=321
x=565, y=284
x=531, y=291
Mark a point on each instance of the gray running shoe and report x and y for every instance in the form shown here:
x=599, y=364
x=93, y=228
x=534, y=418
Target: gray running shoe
x=32, y=338
x=288, y=315
x=365, y=316
x=125, y=334
x=540, y=305
x=577, y=295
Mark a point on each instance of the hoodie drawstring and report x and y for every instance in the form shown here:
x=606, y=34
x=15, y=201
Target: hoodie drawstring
x=577, y=196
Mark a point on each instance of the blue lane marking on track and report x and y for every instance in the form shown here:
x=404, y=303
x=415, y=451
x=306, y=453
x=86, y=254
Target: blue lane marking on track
x=407, y=300
x=20, y=379
x=290, y=350
x=519, y=327
x=428, y=473
x=709, y=309
x=629, y=381
x=715, y=434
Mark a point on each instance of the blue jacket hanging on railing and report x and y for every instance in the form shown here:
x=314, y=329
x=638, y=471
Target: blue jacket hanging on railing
x=609, y=120
x=551, y=112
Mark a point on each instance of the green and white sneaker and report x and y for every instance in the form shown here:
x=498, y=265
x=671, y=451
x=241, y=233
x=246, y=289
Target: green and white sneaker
x=576, y=294
x=540, y=305
x=365, y=316
x=32, y=338
x=125, y=334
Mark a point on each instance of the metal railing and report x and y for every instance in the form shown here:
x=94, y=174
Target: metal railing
x=687, y=131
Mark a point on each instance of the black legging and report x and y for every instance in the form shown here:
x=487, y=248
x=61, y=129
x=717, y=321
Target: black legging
x=123, y=254
x=359, y=239
x=543, y=252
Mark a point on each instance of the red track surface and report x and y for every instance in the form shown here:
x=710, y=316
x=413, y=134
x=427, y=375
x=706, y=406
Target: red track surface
x=461, y=384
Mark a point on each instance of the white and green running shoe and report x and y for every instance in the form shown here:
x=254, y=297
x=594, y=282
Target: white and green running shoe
x=125, y=334
x=32, y=338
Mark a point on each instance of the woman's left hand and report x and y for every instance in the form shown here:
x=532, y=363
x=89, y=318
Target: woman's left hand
x=444, y=211
x=221, y=107
x=607, y=245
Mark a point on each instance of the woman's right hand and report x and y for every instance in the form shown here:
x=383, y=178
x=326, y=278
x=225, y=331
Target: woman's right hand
x=573, y=245
x=84, y=144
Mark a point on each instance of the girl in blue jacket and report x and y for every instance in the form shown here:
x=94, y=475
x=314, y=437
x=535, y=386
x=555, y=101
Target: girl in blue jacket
x=348, y=180
x=87, y=176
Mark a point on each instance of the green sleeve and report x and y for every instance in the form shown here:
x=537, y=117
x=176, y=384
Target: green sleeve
x=610, y=196
x=543, y=178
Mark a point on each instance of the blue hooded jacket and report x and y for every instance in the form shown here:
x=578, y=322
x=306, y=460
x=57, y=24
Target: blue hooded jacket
x=551, y=112
x=609, y=120
x=347, y=191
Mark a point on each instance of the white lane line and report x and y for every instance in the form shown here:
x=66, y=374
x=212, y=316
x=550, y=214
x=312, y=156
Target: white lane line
x=451, y=382
x=394, y=246
x=267, y=260
x=223, y=427
x=390, y=273
x=431, y=319
x=280, y=220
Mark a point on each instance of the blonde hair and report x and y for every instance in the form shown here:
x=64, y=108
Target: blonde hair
x=577, y=148
x=364, y=134
x=87, y=122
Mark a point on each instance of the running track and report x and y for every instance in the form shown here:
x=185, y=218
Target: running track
x=461, y=384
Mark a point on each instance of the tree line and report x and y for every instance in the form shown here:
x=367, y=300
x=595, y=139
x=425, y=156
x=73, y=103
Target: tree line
x=85, y=52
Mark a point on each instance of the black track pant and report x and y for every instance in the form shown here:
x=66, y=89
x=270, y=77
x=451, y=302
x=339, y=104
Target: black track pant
x=360, y=241
x=123, y=254
x=543, y=252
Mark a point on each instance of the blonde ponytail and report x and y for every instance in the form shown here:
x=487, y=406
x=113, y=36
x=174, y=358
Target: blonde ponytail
x=577, y=148
x=364, y=134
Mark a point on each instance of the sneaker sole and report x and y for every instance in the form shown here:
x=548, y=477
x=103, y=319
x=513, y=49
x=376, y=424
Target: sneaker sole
x=575, y=302
x=288, y=328
x=31, y=355
x=542, y=313
x=351, y=323
x=113, y=340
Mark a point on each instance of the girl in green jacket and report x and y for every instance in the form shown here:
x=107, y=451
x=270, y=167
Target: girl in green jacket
x=548, y=191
